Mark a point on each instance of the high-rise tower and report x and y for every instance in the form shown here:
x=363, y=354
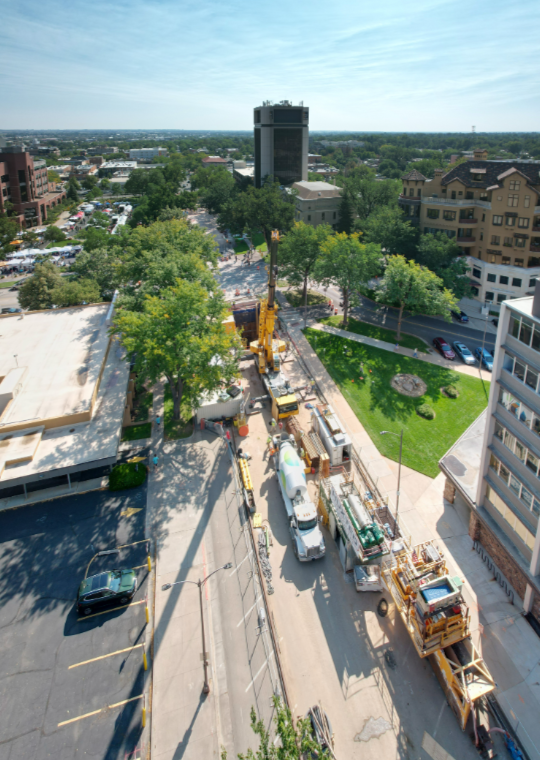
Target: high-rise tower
x=281, y=133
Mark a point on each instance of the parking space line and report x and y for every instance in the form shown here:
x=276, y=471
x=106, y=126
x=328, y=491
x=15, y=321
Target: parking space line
x=144, y=541
x=114, y=609
x=257, y=674
x=250, y=609
x=241, y=563
x=139, y=567
x=104, y=656
x=96, y=712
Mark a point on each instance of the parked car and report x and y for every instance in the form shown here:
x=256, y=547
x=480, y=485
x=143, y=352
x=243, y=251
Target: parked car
x=484, y=357
x=463, y=352
x=442, y=346
x=110, y=586
x=460, y=316
x=11, y=310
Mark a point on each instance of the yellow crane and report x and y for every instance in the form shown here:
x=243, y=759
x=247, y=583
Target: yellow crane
x=268, y=348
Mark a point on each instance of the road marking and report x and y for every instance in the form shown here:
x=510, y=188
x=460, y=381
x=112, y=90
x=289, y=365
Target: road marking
x=113, y=609
x=434, y=749
x=96, y=712
x=104, y=656
x=130, y=511
x=241, y=563
x=250, y=610
x=143, y=541
x=257, y=674
x=140, y=567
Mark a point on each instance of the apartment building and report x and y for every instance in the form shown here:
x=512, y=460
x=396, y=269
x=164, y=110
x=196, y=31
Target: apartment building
x=24, y=187
x=317, y=203
x=147, y=154
x=495, y=467
x=492, y=210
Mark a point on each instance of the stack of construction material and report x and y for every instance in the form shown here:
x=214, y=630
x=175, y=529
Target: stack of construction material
x=324, y=459
x=292, y=427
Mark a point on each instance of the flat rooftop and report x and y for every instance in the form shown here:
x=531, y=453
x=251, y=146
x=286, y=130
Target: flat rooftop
x=461, y=463
x=63, y=386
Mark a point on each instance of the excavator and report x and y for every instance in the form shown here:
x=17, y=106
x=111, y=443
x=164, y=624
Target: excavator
x=269, y=348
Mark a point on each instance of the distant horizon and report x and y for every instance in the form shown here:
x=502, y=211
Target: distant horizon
x=22, y=130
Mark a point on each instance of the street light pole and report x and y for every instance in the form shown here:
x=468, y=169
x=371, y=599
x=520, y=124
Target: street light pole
x=389, y=432
x=200, y=583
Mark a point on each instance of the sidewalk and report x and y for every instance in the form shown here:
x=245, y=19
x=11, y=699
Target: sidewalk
x=510, y=647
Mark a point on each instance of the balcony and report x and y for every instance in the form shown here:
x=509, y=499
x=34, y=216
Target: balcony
x=409, y=199
x=455, y=202
x=465, y=240
x=468, y=221
x=536, y=229
x=534, y=248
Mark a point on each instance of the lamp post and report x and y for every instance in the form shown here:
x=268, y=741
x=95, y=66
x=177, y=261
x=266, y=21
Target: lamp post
x=389, y=432
x=200, y=584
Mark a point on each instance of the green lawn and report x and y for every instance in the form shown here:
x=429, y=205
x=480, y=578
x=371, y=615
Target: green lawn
x=240, y=246
x=379, y=407
x=134, y=432
x=128, y=475
x=173, y=429
x=8, y=284
x=143, y=403
x=294, y=297
x=374, y=331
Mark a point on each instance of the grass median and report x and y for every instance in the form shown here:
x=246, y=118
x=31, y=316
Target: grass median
x=375, y=331
x=379, y=407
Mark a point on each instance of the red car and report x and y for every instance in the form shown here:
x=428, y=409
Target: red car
x=442, y=346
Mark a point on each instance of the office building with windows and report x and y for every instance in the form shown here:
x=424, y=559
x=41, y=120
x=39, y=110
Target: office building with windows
x=494, y=469
x=492, y=210
x=281, y=134
x=317, y=203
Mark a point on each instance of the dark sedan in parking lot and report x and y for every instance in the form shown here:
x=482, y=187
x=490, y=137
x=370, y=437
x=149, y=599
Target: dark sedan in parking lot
x=460, y=316
x=110, y=586
x=463, y=352
x=443, y=348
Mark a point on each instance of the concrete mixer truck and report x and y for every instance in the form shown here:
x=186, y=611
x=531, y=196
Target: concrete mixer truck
x=307, y=538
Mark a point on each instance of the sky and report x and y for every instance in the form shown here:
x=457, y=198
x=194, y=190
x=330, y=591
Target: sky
x=384, y=65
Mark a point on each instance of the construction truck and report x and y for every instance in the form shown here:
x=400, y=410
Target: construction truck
x=430, y=603
x=269, y=348
x=307, y=537
x=337, y=443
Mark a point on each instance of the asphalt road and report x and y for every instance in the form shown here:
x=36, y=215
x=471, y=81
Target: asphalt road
x=47, y=684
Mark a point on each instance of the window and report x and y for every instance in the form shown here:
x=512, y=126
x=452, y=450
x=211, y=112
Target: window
x=514, y=184
x=499, y=197
x=449, y=215
x=496, y=239
x=534, y=261
x=411, y=192
x=518, y=262
x=476, y=273
x=483, y=217
x=526, y=535
x=501, y=297
x=510, y=221
x=503, y=280
x=323, y=215
x=513, y=200
x=481, y=236
x=433, y=213
x=506, y=260
x=519, y=242
x=508, y=242
x=309, y=218
x=460, y=192
x=334, y=217
x=404, y=191
x=497, y=220
x=469, y=195
x=523, y=222
x=492, y=278
x=453, y=193
x=532, y=463
x=532, y=282
x=531, y=378
x=516, y=282
x=527, y=201
x=489, y=296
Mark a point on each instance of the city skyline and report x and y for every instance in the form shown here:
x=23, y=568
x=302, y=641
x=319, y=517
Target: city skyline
x=435, y=66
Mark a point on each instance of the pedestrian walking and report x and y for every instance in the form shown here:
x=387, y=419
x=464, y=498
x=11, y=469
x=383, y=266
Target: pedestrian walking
x=396, y=347
x=155, y=460
x=415, y=354
x=158, y=420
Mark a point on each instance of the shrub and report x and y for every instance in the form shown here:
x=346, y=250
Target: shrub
x=425, y=411
x=127, y=476
x=451, y=391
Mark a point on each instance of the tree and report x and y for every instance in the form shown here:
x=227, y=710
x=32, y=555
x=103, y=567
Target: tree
x=299, y=251
x=53, y=234
x=346, y=214
x=53, y=176
x=72, y=193
x=8, y=230
x=30, y=237
x=94, y=237
x=442, y=255
x=415, y=288
x=367, y=193
x=137, y=182
x=89, y=182
x=73, y=292
x=36, y=292
x=100, y=264
x=180, y=334
x=388, y=227
x=348, y=264
x=74, y=182
x=167, y=214
x=267, y=208
x=105, y=184
x=294, y=743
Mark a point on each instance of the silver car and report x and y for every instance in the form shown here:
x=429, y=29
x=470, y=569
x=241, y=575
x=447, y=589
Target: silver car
x=463, y=352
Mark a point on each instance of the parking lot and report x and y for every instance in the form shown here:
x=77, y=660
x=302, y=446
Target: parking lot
x=71, y=686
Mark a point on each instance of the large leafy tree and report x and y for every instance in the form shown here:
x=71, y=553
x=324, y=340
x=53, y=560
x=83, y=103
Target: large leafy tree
x=54, y=234
x=348, y=264
x=74, y=292
x=180, y=335
x=415, y=288
x=216, y=186
x=299, y=251
x=102, y=265
x=388, y=227
x=368, y=194
x=36, y=292
x=267, y=208
x=346, y=214
x=442, y=255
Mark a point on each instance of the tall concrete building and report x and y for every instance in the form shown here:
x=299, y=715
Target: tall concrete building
x=492, y=210
x=493, y=470
x=281, y=133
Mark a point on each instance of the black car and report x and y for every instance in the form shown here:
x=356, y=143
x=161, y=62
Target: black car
x=111, y=586
x=460, y=316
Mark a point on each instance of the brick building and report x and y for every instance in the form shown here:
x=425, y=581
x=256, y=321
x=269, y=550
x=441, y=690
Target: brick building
x=492, y=210
x=24, y=185
x=494, y=469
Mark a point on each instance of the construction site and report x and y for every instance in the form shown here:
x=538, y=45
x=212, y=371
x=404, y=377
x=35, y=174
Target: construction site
x=391, y=624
